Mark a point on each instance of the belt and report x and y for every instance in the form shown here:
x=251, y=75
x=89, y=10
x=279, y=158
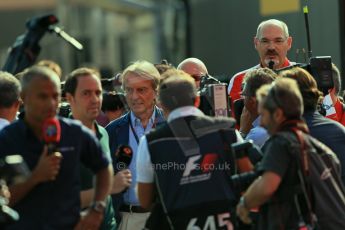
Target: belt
x=132, y=208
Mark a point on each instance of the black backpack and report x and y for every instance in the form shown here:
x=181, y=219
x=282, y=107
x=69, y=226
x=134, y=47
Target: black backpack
x=320, y=179
x=203, y=214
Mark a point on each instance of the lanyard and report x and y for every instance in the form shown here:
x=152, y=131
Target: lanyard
x=135, y=133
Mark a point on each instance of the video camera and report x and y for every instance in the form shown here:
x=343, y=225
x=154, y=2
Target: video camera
x=64, y=109
x=213, y=97
x=320, y=67
x=13, y=170
x=248, y=149
x=26, y=49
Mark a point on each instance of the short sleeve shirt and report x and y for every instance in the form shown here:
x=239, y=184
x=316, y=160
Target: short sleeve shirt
x=280, y=209
x=54, y=204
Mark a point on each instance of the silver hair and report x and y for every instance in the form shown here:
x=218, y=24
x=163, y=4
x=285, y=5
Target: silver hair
x=143, y=69
x=273, y=22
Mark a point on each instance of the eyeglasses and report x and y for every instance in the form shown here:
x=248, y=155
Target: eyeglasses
x=277, y=41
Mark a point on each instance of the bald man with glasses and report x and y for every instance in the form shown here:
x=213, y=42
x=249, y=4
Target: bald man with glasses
x=272, y=41
x=195, y=68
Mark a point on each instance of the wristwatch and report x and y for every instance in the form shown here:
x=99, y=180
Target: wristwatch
x=98, y=206
x=243, y=135
x=243, y=203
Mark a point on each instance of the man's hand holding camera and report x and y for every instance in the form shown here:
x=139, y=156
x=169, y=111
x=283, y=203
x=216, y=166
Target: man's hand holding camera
x=243, y=211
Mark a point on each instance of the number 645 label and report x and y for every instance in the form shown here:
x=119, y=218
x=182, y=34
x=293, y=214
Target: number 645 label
x=211, y=223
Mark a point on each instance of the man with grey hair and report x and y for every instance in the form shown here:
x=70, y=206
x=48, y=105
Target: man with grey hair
x=195, y=192
x=195, y=68
x=9, y=98
x=49, y=198
x=272, y=41
x=278, y=191
x=140, y=82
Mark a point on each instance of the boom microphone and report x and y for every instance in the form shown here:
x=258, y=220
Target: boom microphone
x=26, y=48
x=67, y=37
x=51, y=134
x=123, y=154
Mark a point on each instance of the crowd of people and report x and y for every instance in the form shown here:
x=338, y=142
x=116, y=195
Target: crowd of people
x=178, y=173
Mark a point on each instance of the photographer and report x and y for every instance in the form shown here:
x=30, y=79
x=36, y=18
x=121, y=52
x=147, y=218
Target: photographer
x=195, y=192
x=278, y=189
x=329, y=132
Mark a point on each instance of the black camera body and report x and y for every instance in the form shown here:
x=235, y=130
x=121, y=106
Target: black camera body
x=320, y=67
x=213, y=97
x=25, y=49
x=13, y=170
x=248, y=149
x=65, y=109
x=241, y=182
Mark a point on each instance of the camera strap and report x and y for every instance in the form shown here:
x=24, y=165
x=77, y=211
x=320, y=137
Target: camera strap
x=135, y=133
x=303, y=172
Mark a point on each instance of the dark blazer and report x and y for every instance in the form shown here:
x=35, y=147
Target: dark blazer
x=118, y=131
x=330, y=133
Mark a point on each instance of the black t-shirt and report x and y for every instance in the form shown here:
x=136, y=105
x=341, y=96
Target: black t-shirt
x=280, y=211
